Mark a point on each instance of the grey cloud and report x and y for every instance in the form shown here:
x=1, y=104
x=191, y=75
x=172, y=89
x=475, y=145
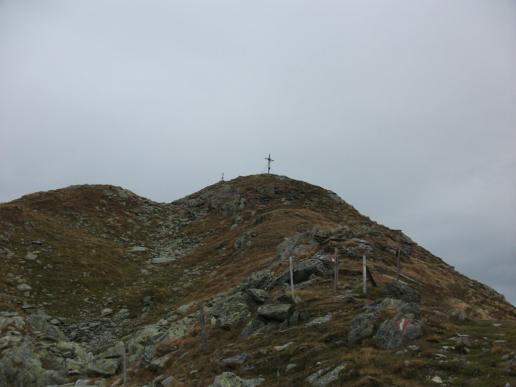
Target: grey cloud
x=405, y=109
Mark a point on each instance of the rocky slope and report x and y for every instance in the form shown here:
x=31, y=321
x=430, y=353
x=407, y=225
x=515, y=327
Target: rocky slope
x=102, y=287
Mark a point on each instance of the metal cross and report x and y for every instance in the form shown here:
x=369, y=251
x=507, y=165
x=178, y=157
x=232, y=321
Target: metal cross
x=269, y=161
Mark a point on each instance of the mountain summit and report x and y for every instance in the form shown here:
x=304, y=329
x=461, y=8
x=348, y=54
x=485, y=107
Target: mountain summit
x=100, y=284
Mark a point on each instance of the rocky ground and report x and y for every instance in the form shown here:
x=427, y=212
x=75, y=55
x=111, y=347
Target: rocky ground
x=102, y=287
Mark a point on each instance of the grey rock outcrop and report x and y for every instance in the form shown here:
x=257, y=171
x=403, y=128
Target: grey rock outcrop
x=457, y=314
x=391, y=333
x=326, y=376
x=304, y=270
x=277, y=312
x=319, y=320
x=230, y=379
x=235, y=360
x=228, y=311
x=40, y=323
x=10, y=321
x=258, y=295
x=75, y=357
x=262, y=279
x=253, y=326
x=24, y=287
x=396, y=289
x=20, y=365
x=295, y=245
x=363, y=326
x=163, y=259
x=394, y=332
x=103, y=367
x=153, y=334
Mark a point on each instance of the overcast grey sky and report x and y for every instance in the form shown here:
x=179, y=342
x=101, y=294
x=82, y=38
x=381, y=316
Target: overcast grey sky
x=406, y=109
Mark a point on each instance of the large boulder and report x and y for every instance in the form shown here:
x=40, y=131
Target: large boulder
x=394, y=332
x=258, y=295
x=304, y=270
x=262, y=279
x=21, y=366
x=153, y=334
x=76, y=359
x=11, y=321
x=235, y=360
x=103, y=367
x=367, y=323
x=228, y=311
x=396, y=289
x=362, y=326
x=10, y=339
x=295, y=245
x=135, y=343
x=277, y=312
x=179, y=328
x=41, y=326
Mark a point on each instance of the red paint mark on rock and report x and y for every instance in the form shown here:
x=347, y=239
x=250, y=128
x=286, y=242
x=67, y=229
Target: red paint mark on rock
x=403, y=324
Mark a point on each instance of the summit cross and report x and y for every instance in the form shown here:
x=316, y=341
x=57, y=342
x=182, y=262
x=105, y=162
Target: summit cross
x=269, y=161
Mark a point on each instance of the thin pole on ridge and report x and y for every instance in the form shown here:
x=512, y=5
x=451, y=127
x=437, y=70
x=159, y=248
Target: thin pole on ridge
x=335, y=271
x=292, y=290
x=398, y=253
x=364, y=274
x=124, y=365
x=202, y=323
x=269, y=161
x=398, y=265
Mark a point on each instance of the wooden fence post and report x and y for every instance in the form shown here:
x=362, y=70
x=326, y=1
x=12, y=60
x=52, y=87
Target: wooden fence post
x=398, y=265
x=364, y=274
x=292, y=279
x=336, y=273
x=123, y=354
x=398, y=255
x=202, y=323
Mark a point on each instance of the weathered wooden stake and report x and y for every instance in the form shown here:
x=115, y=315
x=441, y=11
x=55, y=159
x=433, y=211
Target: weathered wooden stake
x=398, y=255
x=336, y=272
x=202, y=323
x=124, y=363
x=364, y=274
x=292, y=279
x=398, y=264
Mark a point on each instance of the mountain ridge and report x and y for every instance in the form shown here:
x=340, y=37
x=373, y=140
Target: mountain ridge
x=100, y=254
